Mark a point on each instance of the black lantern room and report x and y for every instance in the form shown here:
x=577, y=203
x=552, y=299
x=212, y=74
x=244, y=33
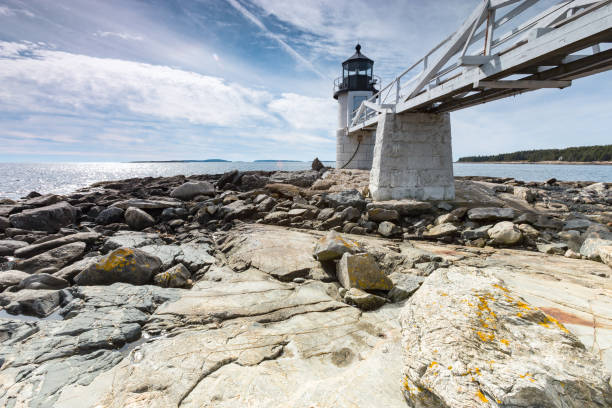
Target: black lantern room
x=357, y=74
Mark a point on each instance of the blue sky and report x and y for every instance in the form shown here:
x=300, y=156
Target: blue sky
x=122, y=80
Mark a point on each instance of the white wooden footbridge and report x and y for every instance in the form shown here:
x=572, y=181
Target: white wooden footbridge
x=504, y=48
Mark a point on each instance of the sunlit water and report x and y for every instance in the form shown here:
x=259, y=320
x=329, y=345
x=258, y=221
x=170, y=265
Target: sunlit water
x=18, y=179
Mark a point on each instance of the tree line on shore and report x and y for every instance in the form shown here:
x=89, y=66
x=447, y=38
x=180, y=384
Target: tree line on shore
x=570, y=154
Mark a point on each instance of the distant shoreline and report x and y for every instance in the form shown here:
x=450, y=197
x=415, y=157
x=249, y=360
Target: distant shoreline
x=598, y=163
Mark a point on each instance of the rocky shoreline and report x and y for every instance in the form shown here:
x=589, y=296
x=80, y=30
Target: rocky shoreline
x=269, y=289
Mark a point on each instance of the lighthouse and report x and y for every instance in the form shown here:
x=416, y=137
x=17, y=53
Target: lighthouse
x=356, y=84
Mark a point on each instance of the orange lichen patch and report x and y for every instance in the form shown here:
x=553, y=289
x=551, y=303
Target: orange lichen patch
x=495, y=285
x=523, y=305
x=527, y=376
x=519, y=314
x=433, y=364
x=120, y=258
x=556, y=323
x=443, y=294
x=483, y=304
x=450, y=367
x=485, y=336
x=481, y=396
x=504, y=342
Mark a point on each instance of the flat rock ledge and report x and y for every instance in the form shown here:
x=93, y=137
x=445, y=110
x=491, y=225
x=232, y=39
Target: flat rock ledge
x=295, y=289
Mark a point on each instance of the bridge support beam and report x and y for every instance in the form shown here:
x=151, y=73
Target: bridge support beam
x=358, y=145
x=412, y=157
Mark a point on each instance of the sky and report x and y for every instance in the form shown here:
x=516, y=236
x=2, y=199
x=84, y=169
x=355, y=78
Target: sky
x=123, y=80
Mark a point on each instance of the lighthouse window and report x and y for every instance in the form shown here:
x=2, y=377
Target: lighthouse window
x=357, y=101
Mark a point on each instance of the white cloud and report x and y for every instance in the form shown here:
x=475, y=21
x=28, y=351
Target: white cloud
x=304, y=112
x=123, y=36
x=57, y=81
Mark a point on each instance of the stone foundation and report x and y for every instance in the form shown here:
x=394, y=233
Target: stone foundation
x=346, y=146
x=413, y=158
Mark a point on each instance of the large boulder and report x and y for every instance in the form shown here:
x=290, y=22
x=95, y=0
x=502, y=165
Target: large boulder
x=11, y=278
x=192, y=189
x=4, y=223
x=9, y=246
x=32, y=302
x=333, y=246
x=442, y=230
x=138, y=219
x=505, y=233
x=176, y=277
x=470, y=342
x=43, y=281
x=121, y=265
x=297, y=178
x=362, y=272
x=56, y=258
x=595, y=237
x=49, y=218
x=110, y=215
x=363, y=300
x=605, y=253
x=150, y=204
x=382, y=214
x=31, y=250
x=491, y=214
x=403, y=207
x=352, y=198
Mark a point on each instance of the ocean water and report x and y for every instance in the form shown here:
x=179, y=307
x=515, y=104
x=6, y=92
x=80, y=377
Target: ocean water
x=18, y=179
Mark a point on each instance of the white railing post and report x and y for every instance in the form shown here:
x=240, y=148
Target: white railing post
x=397, y=90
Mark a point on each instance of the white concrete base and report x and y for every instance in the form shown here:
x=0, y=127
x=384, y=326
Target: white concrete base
x=413, y=158
x=346, y=146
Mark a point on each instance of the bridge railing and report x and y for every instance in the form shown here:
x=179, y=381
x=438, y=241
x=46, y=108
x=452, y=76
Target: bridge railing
x=482, y=36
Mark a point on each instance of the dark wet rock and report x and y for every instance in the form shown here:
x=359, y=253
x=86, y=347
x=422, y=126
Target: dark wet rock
x=237, y=209
x=480, y=232
x=49, y=218
x=578, y=224
x=35, y=249
x=122, y=265
x=317, y=165
x=110, y=215
x=345, y=198
x=176, y=277
x=253, y=181
x=56, y=257
x=31, y=302
x=231, y=177
x=44, y=200
x=491, y=214
x=11, y=278
x=138, y=219
x=43, y=281
x=350, y=214
x=325, y=214
x=4, y=223
x=9, y=246
x=191, y=189
x=266, y=204
x=296, y=178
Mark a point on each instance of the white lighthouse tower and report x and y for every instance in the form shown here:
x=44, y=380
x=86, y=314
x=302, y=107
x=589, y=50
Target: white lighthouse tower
x=356, y=84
